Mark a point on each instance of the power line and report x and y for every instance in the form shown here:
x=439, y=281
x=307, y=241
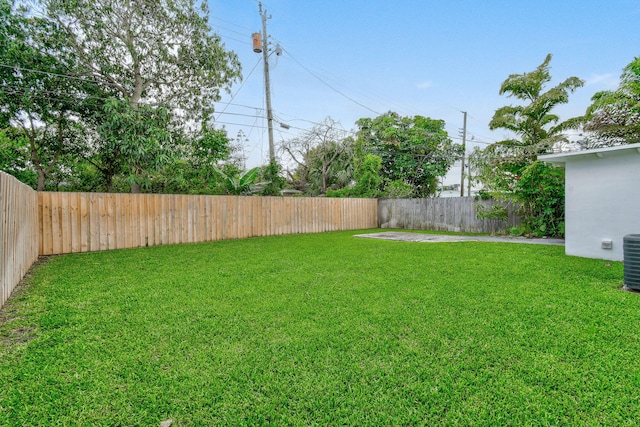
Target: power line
x=17, y=89
x=474, y=141
x=388, y=153
x=240, y=124
x=233, y=31
x=241, y=105
x=217, y=18
x=42, y=94
x=48, y=73
x=250, y=131
x=50, y=96
x=234, y=39
x=244, y=81
x=324, y=80
x=328, y=85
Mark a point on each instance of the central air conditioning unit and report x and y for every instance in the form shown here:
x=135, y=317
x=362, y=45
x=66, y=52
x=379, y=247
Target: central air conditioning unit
x=631, y=249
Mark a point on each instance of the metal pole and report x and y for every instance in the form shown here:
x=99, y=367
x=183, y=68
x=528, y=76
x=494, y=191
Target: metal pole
x=464, y=152
x=469, y=177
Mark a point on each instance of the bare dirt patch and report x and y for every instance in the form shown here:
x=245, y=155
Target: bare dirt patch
x=13, y=331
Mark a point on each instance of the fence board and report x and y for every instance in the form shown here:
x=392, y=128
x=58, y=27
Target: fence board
x=74, y=223
x=159, y=223
x=82, y=222
x=442, y=214
x=93, y=241
x=19, y=231
x=112, y=221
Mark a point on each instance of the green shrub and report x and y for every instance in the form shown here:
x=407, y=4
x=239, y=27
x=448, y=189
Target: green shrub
x=495, y=212
x=398, y=189
x=540, y=192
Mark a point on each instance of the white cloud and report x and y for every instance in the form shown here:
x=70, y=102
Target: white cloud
x=606, y=81
x=425, y=84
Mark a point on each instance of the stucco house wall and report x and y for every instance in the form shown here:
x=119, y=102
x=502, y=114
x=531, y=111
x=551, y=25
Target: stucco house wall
x=602, y=199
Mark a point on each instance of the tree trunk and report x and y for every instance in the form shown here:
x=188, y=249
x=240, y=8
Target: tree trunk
x=324, y=180
x=136, y=187
x=41, y=179
x=109, y=186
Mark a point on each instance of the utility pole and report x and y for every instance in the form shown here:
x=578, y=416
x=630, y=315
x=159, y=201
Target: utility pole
x=469, y=177
x=464, y=152
x=267, y=82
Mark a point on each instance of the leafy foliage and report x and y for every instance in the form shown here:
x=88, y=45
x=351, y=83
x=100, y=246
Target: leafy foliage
x=398, y=189
x=115, y=92
x=134, y=140
x=506, y=168
x=323, y=158
x=13, y=152
x=331, y=166
x=614, y=116
x=536, y=127
x=273, y=181
x=416, y=150
x=209, y=147
x=495, y=212
x=368, y=179
x=540, y=193
x=149, y=51
x=159, y=69
x=195, y=170
x=242, y=183
x=37, y=101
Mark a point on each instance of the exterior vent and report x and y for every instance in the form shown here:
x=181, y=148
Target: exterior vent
x=631, y=248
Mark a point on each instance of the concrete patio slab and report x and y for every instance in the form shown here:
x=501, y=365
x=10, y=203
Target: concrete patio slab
x=435, y=238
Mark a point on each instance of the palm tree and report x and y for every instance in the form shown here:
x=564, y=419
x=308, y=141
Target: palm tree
x=508, y=169
x=536, y=127
x=614, y=116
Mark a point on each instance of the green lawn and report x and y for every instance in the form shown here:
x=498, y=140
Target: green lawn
x=322, y=329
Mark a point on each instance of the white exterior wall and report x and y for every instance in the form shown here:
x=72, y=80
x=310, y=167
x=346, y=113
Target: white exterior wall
x=602, y=200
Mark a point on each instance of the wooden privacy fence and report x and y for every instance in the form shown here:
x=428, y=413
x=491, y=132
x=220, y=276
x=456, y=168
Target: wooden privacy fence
x=56, y=223
x=83, y=222
x=442, y=214
x=18, y=232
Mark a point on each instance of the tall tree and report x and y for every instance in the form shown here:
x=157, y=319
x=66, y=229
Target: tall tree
x=415, y=151
x=161, y=52
x=536, y=129
x=614, y=116
x=314, y=152
x=332, y=165
x=157, y=54
x=38, y=99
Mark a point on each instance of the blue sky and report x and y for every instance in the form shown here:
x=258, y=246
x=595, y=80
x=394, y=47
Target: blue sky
x=429, y=58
